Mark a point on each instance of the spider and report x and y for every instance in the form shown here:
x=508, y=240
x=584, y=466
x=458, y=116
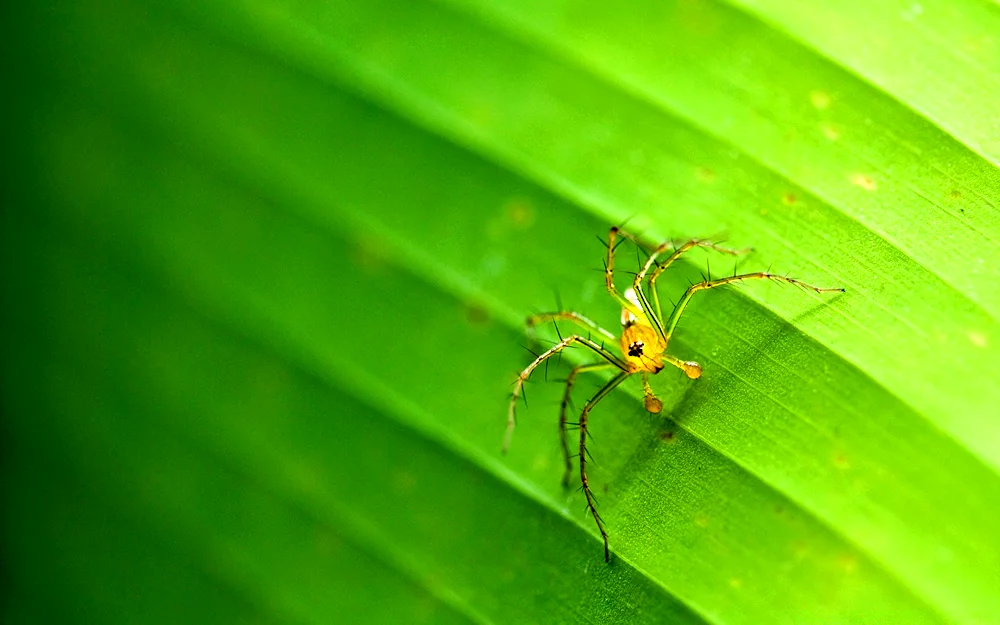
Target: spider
x=643, y=342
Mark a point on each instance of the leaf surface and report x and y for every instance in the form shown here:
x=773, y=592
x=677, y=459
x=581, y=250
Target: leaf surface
x=276, y=257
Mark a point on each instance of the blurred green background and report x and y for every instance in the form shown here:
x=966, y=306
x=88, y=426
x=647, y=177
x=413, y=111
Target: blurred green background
x=266, y=265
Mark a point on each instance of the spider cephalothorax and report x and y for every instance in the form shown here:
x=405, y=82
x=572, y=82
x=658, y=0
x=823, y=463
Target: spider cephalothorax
x=643, y=342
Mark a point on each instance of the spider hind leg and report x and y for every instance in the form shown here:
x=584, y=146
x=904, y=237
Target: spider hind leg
x=587, y=492
x=567, y=462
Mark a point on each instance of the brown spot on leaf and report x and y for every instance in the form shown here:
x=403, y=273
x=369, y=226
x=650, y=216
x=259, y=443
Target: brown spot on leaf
x=476, y=314
x=370, y=255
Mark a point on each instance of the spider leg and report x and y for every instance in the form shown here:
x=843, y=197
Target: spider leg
x=573, y=317
x=609, y=269
x=693, y=369
x=654, y=312
x=591, y=503
x=555, y=349
x=562, y=412
x=711, y=284
x=678, y=251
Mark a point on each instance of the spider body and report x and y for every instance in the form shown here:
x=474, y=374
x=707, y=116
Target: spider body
x=642, y=344
x=642, y=348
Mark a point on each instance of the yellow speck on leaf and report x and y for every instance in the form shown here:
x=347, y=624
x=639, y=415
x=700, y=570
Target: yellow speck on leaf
x=978, y=339
x=820, y=99
x=519, y=212
x=864, y=181
x=848, y=562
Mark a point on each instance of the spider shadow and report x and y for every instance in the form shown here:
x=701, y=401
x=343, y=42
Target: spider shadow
x=771, y=334
x=686, y=399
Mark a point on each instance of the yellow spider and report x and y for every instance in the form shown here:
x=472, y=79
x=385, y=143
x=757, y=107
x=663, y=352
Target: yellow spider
x=643, y=343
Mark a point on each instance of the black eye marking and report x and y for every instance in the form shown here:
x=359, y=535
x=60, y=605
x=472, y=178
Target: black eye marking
x=635, y=349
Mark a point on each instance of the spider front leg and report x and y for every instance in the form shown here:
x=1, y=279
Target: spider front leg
x=693, y=243
x=591, y=502
x=555, y=349
x=675, y=316
x=677, y=252
x=635, y=300
x=639, y=310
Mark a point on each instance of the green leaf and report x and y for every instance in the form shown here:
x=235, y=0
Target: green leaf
x=269, y=262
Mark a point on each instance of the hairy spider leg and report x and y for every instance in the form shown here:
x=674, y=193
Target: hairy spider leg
x=573, y=317
x=693, y=243
x=609, y=269
x=641, y=311
x=675, y=316
x=577, y=318
x=591, y=505
x=555, y=349
x=562, y=413
x=678, y=251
